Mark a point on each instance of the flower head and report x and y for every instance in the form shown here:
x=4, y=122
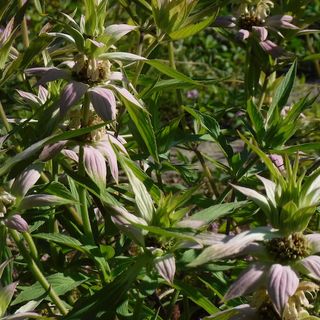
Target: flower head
x=279, y=262
x=253, y=20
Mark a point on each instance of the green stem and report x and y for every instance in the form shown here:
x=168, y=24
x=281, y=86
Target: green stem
x=248, y=88
x=312, y=50
x=211, y=184
x=238, y=177
x=83, y=201
x=4, y=118
x=24, y=29
x=37, y=272
x=82, y=172
x=173, y=66
x=140, y=64
x=73, y=212
x=32, y=247
x=171, y=55
x=263, y=92
x=69, y=208
x=186, y=308
x=173, y=302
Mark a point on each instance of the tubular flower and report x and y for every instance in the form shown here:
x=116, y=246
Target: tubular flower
x=99, y=146
x=279, y=261
x=16, y=198
x=253, y=20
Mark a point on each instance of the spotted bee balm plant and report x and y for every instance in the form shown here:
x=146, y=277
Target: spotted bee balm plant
x=159, y=160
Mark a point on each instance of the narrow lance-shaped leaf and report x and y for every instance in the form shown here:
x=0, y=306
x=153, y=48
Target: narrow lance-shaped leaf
x=274, y=170
x=256, y=118
x=256, y=197
x=141, y=119
x=196, y=296
x=152, y=188
x=270, y=187
x=3, y=266
x=5, y=48
x=282, y=92
x=42, y=200
x=6, y=294
x=191, y=29
x=126, y=56
x=172, y=73
x=142, y=196
x=115, y=32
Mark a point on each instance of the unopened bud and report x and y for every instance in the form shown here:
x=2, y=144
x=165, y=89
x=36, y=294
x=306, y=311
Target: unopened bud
x=16, y=222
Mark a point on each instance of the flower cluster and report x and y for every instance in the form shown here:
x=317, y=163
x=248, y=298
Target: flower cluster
x=254, y=21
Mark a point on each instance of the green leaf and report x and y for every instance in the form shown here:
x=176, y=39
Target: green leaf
x=88, y=184
x=272, y=168
x=165, y=85
x=191, y=29
x=61, y=239
x=61, y=35
x=213, y=128
x=143, y=199
x=314, y=56
x=256, y=118
x=91, y=17
x=259, y=199
x=6, y=294
x=196, y=296
x=282, y=93
x=60, y=282
x=3, y=265
x=176, y=233
x=75, y=34
x=141, y=119
x=6, y=6
x=304, y=147
x=25, y=59
x=37, y=5
x=115, y=32
x=216, y=211
x=109, y=298
x=60, y=190
x=165, y=69
x=126, y=56
x=149, y=184
x=5, y=48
